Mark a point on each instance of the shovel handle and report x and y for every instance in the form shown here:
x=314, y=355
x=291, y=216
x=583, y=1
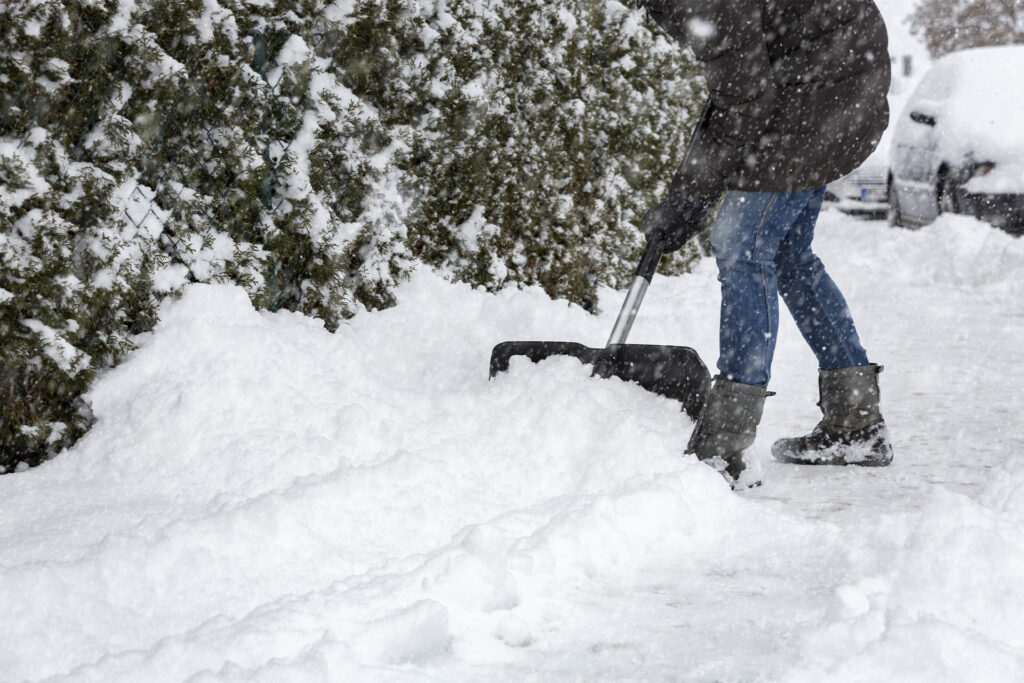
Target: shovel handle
x=649, y=262
x=635, y=295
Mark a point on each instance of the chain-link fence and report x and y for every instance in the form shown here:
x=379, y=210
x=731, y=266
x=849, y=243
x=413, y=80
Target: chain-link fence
x=165, y=189
x=172, y=166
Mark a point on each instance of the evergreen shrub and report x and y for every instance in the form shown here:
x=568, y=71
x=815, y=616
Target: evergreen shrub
x=311, y=153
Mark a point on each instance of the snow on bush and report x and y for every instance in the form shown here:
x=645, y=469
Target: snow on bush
x=311, y=153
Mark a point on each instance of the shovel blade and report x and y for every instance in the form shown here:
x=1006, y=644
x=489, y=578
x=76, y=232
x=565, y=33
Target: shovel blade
x=676, y=372
x=537, y=351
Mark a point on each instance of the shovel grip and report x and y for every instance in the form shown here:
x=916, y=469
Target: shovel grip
x=651, y=259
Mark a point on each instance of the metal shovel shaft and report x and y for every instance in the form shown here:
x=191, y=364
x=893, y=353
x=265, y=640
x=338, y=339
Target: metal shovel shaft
x=627, y=314
x=635, y=295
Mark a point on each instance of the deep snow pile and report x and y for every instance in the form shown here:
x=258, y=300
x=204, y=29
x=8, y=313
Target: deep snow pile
x=262, y=500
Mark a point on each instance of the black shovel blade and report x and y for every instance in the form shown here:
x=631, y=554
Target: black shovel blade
x=676, y=372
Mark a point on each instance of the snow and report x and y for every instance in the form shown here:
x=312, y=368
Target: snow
x=568, y=19
x=214, y=14
x=294, y=51
x=473, y=228
x=978, y=112
x=22, y=159
x=69, y=359
x=33, y=28
x=263, y=500
x=1007, y=177
x=121, y=21
x=701, y=28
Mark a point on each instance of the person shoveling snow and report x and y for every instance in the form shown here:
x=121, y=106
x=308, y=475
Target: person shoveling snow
x=797, y=99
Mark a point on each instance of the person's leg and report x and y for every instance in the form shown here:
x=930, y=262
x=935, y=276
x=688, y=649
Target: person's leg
x=852, y=431
x=817, y=305
x=745, y=239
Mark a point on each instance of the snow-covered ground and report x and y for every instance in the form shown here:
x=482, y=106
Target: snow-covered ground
x=261, y=500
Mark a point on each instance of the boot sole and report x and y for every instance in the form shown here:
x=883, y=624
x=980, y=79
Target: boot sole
x=869, y=447
x=832, y=462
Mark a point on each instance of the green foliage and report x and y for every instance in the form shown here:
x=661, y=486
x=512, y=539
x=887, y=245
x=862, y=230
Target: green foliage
x=312, y=154
x=539, y=154
x=75, y=277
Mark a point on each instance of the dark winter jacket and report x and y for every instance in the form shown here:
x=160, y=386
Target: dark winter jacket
x=798, y=89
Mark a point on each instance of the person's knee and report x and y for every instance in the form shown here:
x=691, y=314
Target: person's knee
x=727, y=244
x=739, y=251
x=732, y=268
x=765, y=252
x=743, y=248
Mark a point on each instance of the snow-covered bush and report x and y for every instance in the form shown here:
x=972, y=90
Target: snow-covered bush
x=76, y=277
x=311, y=153
x=553, y=127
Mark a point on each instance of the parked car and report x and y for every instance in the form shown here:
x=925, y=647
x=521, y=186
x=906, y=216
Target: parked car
x=958, y=145
x=865, y=191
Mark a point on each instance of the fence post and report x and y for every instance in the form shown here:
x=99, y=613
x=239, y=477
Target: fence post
x=259, y=65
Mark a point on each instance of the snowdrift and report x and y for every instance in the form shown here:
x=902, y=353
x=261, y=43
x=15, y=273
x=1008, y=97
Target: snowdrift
x=368, y=493
x=263, y=500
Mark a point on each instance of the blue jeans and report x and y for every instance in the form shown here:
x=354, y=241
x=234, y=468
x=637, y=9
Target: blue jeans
x=762, y=243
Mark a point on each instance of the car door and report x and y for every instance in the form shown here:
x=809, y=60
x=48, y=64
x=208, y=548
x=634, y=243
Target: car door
x=916, y=156
x=919, y=198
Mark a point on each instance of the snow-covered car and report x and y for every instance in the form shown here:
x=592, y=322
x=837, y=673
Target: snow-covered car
x=958, y=145
x=865, y=190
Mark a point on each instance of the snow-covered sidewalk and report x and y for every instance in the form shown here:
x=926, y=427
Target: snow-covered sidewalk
x=262, y=500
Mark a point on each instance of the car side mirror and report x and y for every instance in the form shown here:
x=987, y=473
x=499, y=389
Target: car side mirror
x=921, y=117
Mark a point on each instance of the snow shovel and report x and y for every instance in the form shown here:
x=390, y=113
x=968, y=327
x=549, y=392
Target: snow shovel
x=673, y=371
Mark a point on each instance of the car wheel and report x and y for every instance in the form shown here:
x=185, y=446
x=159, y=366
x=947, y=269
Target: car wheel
x=946, y=196
x=894, y=214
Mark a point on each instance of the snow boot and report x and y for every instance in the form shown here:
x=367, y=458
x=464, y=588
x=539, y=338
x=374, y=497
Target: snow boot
x=726, y=428
x=851, y=431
